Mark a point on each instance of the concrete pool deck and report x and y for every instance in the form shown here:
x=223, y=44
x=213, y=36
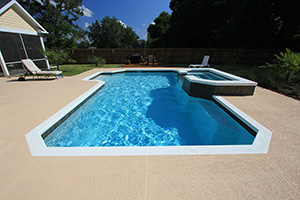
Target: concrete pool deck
x=24, y=105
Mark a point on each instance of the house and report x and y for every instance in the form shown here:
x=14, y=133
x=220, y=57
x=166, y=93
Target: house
x=20, y=38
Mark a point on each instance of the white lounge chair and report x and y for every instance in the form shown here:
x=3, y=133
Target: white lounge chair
x=204, y=63
x=34, y=70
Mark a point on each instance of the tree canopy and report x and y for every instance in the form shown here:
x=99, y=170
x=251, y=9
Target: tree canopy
x=58, y=18
x=157, y=32
x=111, y=33
x=230, y=24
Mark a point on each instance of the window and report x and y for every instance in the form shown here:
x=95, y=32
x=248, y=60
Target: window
x=33, y=46
x=11, y=47
x=15, y=47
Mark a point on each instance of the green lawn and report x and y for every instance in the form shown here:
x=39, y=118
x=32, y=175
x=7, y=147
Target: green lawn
x=74, y=69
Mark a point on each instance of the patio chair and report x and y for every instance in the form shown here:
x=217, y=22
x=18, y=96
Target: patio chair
x=204, y=63
x=151, y=59
x=34, y=70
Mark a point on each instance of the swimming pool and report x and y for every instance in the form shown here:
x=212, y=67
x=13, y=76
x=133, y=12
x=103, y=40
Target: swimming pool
x=147, y=109
x=175, y=142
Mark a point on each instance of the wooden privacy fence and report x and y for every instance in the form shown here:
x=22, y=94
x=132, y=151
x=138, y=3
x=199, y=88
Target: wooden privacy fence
x=179, y=55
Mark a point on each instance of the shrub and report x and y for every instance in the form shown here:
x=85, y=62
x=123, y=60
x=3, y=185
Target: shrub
x=287, y=63
x=99, y=61
x=58, y=57
x=296, y=90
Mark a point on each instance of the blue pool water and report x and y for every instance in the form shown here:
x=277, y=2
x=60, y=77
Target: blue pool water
x=210, y=76
x=147, y=109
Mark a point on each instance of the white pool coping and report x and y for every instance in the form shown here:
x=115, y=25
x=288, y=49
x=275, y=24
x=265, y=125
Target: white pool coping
x=38, y=148
x=234, y=80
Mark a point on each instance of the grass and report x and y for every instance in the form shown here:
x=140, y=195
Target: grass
x=74, y=69
x=266, y=78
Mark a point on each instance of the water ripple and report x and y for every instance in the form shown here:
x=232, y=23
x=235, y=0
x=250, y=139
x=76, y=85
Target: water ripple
x=116, y=116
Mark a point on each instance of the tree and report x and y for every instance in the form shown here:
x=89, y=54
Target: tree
x=157, y=32
x=251, y=24
x=111, y=33
x=195, y=23
x=58, y=17
x=58, y=57
x=288, y=19
x=84, y=44
x=142, y=44
x=234, y=24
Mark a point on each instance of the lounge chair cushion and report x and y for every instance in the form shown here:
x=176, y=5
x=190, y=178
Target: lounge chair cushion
x=32, y=68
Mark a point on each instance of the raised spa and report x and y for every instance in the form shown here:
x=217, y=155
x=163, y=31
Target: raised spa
x=206, y=82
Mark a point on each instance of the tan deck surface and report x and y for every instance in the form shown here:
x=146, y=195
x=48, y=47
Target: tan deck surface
x=24, y=105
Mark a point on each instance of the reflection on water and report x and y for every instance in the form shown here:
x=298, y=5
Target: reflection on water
x=198, y=121
x=146, y=109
